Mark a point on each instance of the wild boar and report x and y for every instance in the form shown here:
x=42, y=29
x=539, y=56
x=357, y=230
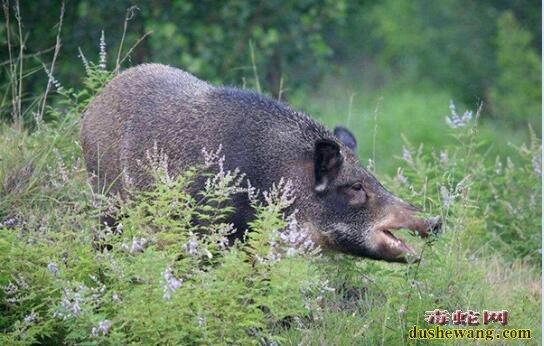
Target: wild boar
x=344, y=206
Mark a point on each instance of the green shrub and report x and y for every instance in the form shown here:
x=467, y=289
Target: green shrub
x=209, y=39
x=461, y=182
x=162, y=271
x=516, y=94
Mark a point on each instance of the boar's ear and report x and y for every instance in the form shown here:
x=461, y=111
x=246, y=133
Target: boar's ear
x=345, y=136
x=327, y=163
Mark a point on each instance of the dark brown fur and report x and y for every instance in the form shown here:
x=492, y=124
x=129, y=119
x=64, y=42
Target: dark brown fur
x=156, y=104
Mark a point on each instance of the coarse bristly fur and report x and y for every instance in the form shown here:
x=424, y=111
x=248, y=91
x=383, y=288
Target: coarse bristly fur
x=156, y=105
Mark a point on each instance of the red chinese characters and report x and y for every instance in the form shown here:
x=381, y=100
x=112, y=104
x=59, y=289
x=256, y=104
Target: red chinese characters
x=437, y=316
x=496, y=316
x=466, y=318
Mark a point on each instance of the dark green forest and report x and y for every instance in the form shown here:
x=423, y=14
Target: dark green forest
x=475, y=50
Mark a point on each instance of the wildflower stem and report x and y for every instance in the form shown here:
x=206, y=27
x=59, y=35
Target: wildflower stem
x=129, y=15
x=39, y=118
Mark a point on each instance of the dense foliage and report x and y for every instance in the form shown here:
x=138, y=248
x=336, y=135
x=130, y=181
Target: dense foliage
x=161, y=278
x=485, y=50
x=467, y=46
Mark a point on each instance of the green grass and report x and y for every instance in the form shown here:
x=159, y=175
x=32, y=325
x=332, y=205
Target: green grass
x=488, y=256
x=382, y=119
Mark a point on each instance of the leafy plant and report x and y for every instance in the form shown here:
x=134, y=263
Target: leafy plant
x=516, y=94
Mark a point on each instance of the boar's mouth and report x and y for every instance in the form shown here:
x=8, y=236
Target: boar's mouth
x=394, y=249
x=393, y=245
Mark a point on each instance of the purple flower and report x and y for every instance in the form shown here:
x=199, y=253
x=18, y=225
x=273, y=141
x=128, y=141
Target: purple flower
x=170, y=284
x=103, y=328
x=455, y=121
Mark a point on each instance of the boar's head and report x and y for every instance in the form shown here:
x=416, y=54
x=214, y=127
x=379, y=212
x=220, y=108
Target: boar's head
x=352, y=212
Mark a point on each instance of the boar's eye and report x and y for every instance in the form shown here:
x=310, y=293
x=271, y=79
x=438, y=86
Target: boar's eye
x=357, y=187
x=356, y=195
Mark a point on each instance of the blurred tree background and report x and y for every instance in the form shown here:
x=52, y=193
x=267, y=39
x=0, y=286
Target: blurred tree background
x=474, y=50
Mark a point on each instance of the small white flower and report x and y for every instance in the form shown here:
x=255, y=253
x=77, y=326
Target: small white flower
x=498, y=166
x=192, y=245
x=74, y=300
x=443, y=156
x=370, y=165
x=211, y=158
x=9, y=223
x=52, y=267
x=407, y=155
x=52, y=79
x=325, y=287
x=85, y=61
x=30, y=318
x=138, y=245
x=201, y=320
x=252, y=192
x=537, y=165
x=281, y=195
x=401, y=177
x=15, y=289
x=72, y=305
x=447, y=197
x=455, y=121
x=103, y=328
x=296, y=238
x=157, y=161
x=116, y=298
x=11, y=289
x=102, y=61
x=532, y=200
x=171, y=284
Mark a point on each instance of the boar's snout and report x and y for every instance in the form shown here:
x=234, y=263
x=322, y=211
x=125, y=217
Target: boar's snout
x=387, y=246
x=434, y=224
